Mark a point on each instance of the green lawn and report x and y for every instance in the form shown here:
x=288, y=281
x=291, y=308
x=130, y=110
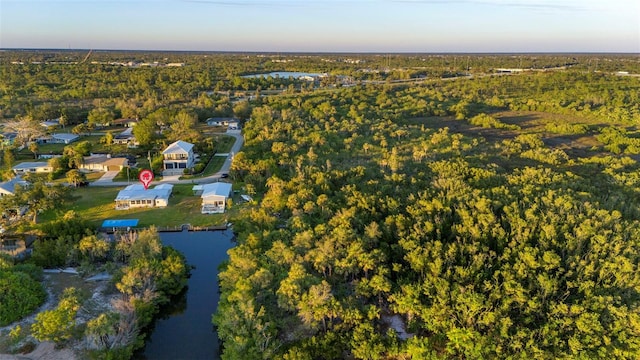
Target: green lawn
x=96, y=204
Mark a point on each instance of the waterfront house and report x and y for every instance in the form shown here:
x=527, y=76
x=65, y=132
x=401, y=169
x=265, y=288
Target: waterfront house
x=214, y=197
x=135, y=196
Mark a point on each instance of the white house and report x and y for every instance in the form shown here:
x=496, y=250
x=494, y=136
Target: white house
x=214, y=197
x=177, y=157
x=126, y=138
x=9, y=187
x=135, y=196
x=104, y=163
x=125, y=122
x=50, y=124
x=64, y=138
x=220, y=121
x=32, y=167
x=233, y=125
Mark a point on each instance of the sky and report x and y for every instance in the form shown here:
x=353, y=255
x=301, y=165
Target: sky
x=423, y=26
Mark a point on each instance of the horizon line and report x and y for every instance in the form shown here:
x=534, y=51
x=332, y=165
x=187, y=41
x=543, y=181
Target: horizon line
x=323, y=51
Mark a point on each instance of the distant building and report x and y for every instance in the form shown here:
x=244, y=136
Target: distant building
x=8, y=138
x=50, y=124
x=220, y=121
x=104, y=163
x=125, y=122
x=62, y=138
x=9, y=187
x=126, y=138
x=32, y=167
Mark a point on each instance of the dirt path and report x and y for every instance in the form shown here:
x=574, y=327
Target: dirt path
x=44, y=351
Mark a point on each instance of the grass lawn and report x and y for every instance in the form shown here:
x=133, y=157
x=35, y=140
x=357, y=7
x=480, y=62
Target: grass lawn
x=96, y=204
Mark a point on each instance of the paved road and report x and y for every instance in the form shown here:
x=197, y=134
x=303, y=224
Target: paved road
x=237, y=145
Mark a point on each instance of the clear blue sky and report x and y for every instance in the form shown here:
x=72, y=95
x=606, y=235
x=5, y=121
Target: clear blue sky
x=324, y=25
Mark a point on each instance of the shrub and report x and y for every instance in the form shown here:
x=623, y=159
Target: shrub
x=21, y=295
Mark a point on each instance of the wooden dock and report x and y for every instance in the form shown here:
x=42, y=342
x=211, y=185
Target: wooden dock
x=180, y=228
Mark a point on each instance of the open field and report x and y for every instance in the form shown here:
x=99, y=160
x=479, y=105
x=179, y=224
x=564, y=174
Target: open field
x=530, y=122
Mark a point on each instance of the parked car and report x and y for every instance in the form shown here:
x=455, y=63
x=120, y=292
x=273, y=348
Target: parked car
x=225, y=175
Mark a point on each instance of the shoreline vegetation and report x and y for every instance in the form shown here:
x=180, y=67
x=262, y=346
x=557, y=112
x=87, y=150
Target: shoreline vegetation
x=104, y=316
x=409, y=205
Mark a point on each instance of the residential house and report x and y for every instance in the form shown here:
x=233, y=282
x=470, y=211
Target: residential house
x=50, y=124
x=9, y=187
x=104, y=163
x=28, y=167
x=7, y=138
x=125, y=122
x=177, y=157
x=233, y=125
x=62, y=138
x=214, y=197
x=126, y=138
x=135, y=196
x=220, y=121
x=13, y=246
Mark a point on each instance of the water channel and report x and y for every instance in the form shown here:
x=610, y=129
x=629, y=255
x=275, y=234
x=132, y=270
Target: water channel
x=186, y=331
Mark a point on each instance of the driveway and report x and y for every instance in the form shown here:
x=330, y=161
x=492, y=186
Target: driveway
x=107, y=177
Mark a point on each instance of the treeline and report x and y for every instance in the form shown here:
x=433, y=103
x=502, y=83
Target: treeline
x=379, y=235
x=48, y=85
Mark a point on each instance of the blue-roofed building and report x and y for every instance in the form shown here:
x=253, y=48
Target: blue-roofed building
x=119, y=224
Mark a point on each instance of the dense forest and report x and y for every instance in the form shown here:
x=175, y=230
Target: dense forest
x=493, y=217
x=438, y=206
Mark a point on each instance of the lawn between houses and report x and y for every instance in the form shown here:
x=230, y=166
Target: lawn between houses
x=96, y=204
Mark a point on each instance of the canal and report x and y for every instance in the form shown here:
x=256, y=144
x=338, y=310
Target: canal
x=185, y=330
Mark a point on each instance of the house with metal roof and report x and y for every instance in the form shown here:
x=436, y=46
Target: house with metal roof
x=30, y=167
x=177, y=157
x=214, y=196
x=9, y=187
x=135, y=196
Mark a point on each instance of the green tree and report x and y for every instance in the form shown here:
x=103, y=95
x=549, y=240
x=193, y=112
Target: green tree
x=34, y=148
x=75, y=177
x=57, y=325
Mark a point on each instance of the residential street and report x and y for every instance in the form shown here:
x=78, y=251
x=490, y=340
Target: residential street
x=237, y=145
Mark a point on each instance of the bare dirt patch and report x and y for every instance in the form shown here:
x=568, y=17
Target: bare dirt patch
x=98, y=299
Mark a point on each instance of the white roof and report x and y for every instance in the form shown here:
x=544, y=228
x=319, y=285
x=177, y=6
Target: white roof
x=178, y=147
x=30, y=165
x=65, y=136
x=137, y=192
x=216, y=189
x=10, y=186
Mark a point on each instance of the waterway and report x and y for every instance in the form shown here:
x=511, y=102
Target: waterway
x=285, y=75
x=186, y=331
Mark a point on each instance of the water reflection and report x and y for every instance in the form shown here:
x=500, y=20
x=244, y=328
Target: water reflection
x=184, y=330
